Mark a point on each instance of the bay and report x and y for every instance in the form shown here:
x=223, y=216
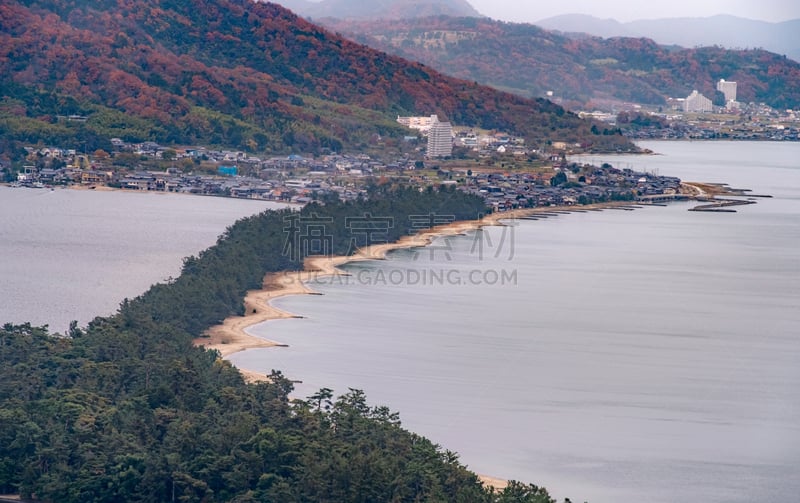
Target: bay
x=649, y=355
x=75, y=254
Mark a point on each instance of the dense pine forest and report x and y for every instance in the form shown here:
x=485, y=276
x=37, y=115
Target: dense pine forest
x=128, y=409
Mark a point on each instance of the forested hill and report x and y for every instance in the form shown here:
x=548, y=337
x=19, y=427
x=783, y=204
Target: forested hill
x=235, y=73
x=127, y=409
x=530, y=61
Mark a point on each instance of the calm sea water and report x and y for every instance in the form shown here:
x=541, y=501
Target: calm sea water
x=72, y=255
x=650, y=355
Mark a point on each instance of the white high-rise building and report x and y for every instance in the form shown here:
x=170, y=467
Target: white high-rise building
x=728, y=89
x=696, y=102
x=440, y=139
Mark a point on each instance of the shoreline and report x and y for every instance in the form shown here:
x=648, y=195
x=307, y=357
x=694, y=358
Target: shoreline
x=105, y=188
x=231, y=335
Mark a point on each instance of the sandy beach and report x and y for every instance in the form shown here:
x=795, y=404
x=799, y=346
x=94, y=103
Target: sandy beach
x=231, y=336
x=488, y=481
x=99, y=188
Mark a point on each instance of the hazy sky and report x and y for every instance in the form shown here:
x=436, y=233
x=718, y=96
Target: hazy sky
x=630, y=10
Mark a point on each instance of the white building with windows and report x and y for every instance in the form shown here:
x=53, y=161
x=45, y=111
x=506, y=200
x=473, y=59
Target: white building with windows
x=440, y=140
x=728, y=89
x=422, y=124
x=696, y=102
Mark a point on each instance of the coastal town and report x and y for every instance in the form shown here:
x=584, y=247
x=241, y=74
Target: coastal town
x=751, y=123
x=696, y=117
x=300, y=179
x=506, y=171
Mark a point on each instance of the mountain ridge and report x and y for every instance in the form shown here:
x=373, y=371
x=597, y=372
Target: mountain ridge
x=380, y=9
x=728, y=31
x=230, y=72
x=582, y=71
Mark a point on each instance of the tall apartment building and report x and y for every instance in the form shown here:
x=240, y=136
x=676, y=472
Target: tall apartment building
x=696, y=102
x=440, y=140
x=728, y=89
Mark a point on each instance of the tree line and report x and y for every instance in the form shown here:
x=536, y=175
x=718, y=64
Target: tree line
x=128, y=409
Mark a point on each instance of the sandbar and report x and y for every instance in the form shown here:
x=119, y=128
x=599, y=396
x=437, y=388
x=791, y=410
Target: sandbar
x=231, y=336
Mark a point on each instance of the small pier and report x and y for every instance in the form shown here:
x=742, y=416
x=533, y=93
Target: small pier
x=721, y=205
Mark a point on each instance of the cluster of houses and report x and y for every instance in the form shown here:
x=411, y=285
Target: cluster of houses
x=501, y=143
x=682, y=128
x=584, y=185
x=442, y=137
x=289, y=178
x=752, y=121
x=300, y=179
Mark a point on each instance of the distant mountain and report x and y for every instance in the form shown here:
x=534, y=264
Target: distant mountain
x=582, y=72
x=380, y=9
x=584, y=24
x=230, y=73
x=728, y=31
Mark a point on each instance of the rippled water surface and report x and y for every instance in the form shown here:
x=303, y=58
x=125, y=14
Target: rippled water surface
x=648, y=355
x=75, y=254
